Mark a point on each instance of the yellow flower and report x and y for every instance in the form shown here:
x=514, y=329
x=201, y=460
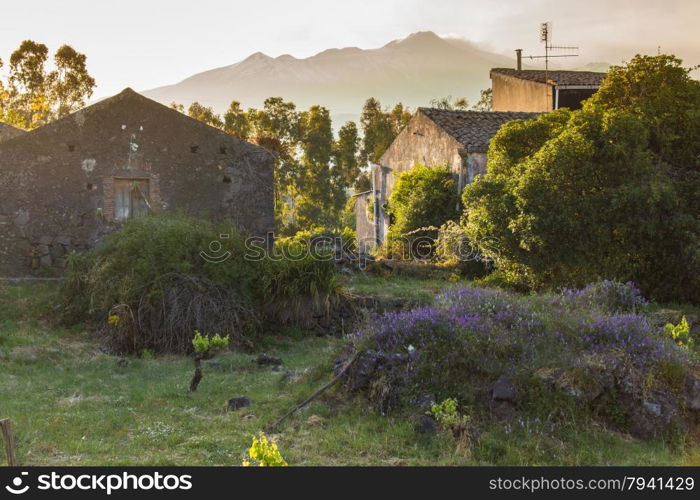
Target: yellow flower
x=114, y=320
x=265, y=453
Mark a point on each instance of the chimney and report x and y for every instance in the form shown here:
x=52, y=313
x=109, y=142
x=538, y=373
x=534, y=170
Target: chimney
x=519, y=56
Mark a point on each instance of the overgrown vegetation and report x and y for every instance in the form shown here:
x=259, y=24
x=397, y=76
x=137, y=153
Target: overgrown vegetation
x=423, y=199
x=152, y=280
x=608, y=191
x=71, y=402
x=572, y=357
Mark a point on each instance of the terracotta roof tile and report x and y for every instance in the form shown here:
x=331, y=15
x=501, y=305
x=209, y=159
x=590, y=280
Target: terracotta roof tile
x=559, y=77
x=473, y=128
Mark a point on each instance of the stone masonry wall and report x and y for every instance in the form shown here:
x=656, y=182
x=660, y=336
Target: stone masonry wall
x=57, y=182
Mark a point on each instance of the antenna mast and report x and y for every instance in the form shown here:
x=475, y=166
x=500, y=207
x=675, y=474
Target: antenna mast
x=546, y=38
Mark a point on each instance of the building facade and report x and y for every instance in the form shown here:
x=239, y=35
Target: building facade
x=65, y=185
x=541, y=91
x=8, y=131
x=433, y=137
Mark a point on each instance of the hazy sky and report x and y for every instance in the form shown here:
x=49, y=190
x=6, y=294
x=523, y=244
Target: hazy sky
x=149, y=43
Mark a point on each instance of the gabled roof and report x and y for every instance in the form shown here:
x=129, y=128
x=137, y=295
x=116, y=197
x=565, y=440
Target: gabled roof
x=557, y=77
x=473, y=129
x=8, y=131
x=110, y=112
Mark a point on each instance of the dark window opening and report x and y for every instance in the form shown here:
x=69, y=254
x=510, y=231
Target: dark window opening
x=88, y=186
x=573, y=98
x=194, y=149
x=71, y=147
x=222, y=150
x=226, y=179
x=131, y=198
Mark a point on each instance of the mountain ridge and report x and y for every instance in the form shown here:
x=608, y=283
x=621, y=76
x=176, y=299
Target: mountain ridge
x=413, y=70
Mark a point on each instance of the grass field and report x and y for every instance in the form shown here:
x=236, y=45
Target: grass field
x=72, y=404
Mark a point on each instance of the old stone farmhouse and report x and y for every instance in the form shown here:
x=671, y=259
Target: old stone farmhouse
x=458, y=139
x=8, y=131
x=539, y=91
x=66, y=184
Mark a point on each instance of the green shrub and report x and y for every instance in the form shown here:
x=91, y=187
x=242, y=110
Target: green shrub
x=130, y=260
x=453, y=247
x=299, y=285
x=680, y=333
x=423, y=199
x=158, y=279
x=606, y=191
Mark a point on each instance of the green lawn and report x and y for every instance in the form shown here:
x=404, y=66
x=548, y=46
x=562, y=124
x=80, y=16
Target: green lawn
x=420, y=291
x=72, y=404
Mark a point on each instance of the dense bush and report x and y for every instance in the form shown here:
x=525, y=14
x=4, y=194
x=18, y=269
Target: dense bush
x=608, y=191
x=611, y=296
x=423, y=198
x=299, y=284
x=151, y=275
x=320, y=239
x=453, y=247
x=552, y=347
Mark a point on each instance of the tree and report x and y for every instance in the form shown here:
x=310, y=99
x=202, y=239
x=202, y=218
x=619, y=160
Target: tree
x=177, y=107
x=346, y=164
x=378, y=132
x=276, y=127
x=34, y=96
x=485, y=102
x=236, y=121
x=601, y=192
x=446, y=103
x=423, y=198
x=399, y=116
x=314, y=193
x=205, y=115
x=28, y=84
x=70, y=83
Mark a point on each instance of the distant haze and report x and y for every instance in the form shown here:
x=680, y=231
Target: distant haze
x=413, y=70
x=149, y=44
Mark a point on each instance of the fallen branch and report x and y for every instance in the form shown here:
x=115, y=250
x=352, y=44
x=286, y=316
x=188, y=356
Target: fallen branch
x=6, y=427
x=316, y=394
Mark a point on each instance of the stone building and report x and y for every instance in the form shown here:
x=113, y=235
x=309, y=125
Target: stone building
x=8, y=131
x=433, y=137
x=65, y=185
x=539, y=91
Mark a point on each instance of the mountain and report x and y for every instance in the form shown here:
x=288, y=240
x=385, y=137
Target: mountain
x=412, y=70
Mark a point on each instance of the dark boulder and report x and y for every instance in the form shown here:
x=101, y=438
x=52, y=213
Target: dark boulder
x=239, y=402
x=504, y=390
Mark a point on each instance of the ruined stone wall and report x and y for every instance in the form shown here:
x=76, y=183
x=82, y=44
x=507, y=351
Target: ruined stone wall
x=8, y=131
x=364, y=227
x=57, y=182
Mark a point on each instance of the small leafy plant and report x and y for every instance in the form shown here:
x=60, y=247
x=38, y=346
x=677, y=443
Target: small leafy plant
x=205, y=347
x=680, y=333
x=445, y=413
x=450, y=419
x=265, y=453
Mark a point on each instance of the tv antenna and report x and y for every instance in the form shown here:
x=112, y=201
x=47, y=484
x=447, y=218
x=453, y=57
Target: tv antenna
x=546, y=38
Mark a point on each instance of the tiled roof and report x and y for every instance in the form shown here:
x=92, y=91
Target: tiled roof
x=473, y=128
x=8, y=131
x=559, y=77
